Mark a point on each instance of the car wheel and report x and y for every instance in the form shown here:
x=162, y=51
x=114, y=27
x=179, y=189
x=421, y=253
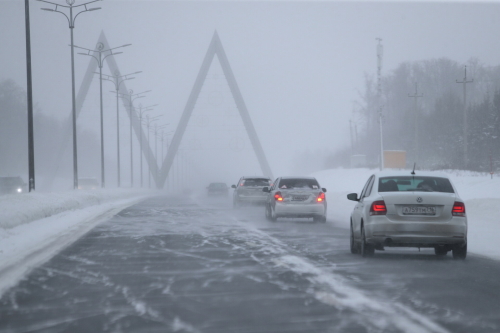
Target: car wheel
x=273, y=215
x=236, y=204
x=319, y=218
x=268, y=213
x=367, y=250
x=459, y=252
x=440, y=251
x=354, y=246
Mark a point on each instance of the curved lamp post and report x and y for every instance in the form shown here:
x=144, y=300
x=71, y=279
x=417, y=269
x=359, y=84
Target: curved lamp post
x=117, y=80
x=97, y=55
x=149, y=121
x=71, y=22
x=132, y=97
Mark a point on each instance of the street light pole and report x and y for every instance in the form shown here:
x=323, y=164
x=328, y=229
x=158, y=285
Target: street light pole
x=148, y=125
x=71, y=21
x=100, y=62
x=465, y=81
x=156, y=147
x=117, y=80
x=142, y=110
x=131, y=100
x=31, y=144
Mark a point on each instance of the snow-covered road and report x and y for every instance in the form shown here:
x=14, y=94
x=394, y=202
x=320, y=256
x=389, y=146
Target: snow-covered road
x=35, y=227
x=179, y=264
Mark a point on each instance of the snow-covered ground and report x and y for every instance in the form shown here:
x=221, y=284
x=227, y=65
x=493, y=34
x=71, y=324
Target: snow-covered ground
x=480, y=193
x=34, y=226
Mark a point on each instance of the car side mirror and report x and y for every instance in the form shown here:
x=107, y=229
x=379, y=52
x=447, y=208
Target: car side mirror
x=265, y=189
x=353, y=196
x=233, y=186
x=323, y=189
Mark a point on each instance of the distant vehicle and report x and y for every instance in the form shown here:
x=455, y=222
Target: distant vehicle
x=399, y=209
x=217, y=189
x=296, y=197
x=88, y=184
x=249, y=191
x=12, y=185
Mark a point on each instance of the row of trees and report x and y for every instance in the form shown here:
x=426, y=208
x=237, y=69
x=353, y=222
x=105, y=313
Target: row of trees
x=437, y=121
x=48, y=133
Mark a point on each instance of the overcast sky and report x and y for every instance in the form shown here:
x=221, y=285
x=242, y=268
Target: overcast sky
x=299, y=65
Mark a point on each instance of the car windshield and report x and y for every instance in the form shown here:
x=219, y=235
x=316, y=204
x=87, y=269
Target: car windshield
x=217, y=185
x=409, y=183
x=256, y=182
x=299, y=183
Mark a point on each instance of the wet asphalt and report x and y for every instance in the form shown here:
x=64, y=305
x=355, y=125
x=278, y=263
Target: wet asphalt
x=171, y=264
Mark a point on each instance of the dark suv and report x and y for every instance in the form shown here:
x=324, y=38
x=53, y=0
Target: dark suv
x=12, y=185
x=249, y=191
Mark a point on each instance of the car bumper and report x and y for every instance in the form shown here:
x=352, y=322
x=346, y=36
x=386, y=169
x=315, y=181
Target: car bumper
x=300, y=210
x=421, y=234
x=251, y=199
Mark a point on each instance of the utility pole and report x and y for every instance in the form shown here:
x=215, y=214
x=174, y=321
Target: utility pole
x=31, y=144
x=380, y=51
x=416, y=96
x=464, y=82
x=350, y=134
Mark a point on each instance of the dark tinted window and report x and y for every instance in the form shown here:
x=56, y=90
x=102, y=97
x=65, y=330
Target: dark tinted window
x=256, y=182
x=217, y=185
x=409, y=183
x=298, y=183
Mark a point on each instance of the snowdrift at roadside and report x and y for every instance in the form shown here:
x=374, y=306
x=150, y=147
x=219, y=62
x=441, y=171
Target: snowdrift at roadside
x=18, y=209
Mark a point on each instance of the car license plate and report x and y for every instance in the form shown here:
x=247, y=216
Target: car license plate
x=299, y=197
x=419, y=210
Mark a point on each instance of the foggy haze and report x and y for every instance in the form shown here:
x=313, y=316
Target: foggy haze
x=300, y=67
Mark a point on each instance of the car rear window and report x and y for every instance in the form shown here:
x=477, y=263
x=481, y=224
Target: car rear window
x=217, y=185
x=298, y=183
x=415, y=183
x=256, y=182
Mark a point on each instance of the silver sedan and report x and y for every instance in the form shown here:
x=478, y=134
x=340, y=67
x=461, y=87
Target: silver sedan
x=296, y=197
x=403, y=209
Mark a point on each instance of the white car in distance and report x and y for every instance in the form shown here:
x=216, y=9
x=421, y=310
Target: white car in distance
x=292, y=197
x=403, y=209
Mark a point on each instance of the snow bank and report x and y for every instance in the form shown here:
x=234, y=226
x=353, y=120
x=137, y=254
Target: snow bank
x=480, y=193
x=36, y=226
x=20, y=209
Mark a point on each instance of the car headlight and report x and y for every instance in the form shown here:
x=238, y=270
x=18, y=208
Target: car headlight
x=19, y=190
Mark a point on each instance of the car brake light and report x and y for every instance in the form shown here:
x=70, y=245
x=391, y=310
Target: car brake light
x=278, y=197
x=321, y=197
x=458, y=209
x=378, y=208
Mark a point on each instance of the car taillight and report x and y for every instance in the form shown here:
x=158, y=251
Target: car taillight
x=278, y=197
x=321, y=197
x=458, y=209
x=378, y=208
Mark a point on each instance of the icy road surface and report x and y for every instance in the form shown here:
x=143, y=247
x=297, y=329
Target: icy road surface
x=177, y=265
